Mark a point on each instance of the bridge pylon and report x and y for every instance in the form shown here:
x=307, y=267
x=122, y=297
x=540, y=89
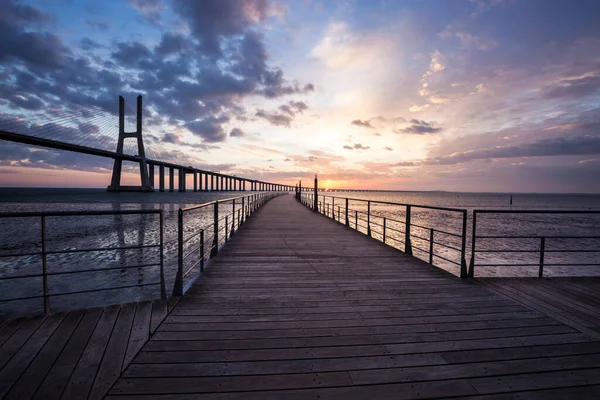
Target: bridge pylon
x=115, y=183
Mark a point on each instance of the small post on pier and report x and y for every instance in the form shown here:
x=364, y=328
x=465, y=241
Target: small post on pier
x=316, y=197
x=471, y=272
x=215, y=246
x=464, y=273
x=542, y=251
x=407, y=244
x=300, y=191
x=369, y=218
x=347, y=220
x=178, y=286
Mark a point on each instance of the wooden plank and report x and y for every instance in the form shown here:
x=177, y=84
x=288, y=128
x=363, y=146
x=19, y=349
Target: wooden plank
x=26, y=386
x=536, y=381
x=140, y=331
x=159, y=312
x=19, y=362
x=8, y=328
x=83, y=377
x=326, y=341
x=279, y=366
x=60, y=373
x=114, y=354
x=172, y=302
x=12, y=345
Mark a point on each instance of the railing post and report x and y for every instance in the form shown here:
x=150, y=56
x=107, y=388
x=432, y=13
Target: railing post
x=178, y=286
x=542, y=251
x=333, y=208
x=233, y=218
x=316, y=199
x=215, y=248
x=356, y=219
x=347, y=221
x=243, y=210
x=369, y=218
x=384, y=226
x=226, y=228
x=163, y=289
x=431, y=246
x=45, y=268
x=202, y=250
x=463, y=257
x=473, y=237
x=407, y=244
x=339, y=219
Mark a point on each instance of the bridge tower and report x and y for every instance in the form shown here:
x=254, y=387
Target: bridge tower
x=115, y=183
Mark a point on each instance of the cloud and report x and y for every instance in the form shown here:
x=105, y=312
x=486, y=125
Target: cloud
x=419, y=127
x=275, y=118
x=576, y=146
x=237, y=132
x=356, y=146
x=363, y=124
x=573, y=88
x=212, y=20
x=149, y=9
x=287, y=114
x=210, y=129
x=36, y=49
x=131, y=54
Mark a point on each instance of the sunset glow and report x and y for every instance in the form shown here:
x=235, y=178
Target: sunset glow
x=479, y=95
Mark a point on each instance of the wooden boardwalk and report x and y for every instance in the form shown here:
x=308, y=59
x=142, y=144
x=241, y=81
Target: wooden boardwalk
x=299, y=307
x=74, y=355
x=574, y=301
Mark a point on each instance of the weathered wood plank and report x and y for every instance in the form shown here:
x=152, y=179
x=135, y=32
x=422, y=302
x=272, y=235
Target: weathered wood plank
x=114, y=354
x=83, y=377
x=60, y=373
x=18, y=339
x=140, y=331
x=8, y=328
x=159, y=312
x=19, y=362
x=29, y=381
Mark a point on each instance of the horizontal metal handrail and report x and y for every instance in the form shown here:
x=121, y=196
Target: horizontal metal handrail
x=378, y=224
x=44, y=253
x=541, y=250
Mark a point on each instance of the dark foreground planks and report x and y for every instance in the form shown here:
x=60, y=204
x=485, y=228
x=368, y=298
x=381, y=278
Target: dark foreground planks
x=573, y=301
x=297, y=306
x=73, y=355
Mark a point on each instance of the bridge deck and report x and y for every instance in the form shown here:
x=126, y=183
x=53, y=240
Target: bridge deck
x=297, y=306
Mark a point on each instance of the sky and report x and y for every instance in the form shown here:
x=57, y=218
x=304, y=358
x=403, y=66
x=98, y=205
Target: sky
x=457, y=95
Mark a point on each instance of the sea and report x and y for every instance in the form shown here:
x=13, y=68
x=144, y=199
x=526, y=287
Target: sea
x=131, y=270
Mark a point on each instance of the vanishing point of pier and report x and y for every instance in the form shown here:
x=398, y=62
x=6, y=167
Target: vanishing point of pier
x=297, y=306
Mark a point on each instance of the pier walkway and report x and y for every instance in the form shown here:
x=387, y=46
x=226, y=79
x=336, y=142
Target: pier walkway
x=297, y=306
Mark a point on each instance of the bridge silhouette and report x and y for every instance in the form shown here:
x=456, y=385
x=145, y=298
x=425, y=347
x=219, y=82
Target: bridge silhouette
x=92, y=131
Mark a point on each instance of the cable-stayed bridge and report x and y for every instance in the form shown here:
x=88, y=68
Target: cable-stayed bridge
x=94, y=132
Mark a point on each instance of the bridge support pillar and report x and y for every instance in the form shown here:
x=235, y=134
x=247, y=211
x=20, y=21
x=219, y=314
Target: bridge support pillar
x=161, y=177
x=115, y=182
x=151, y=174
x=171, y=179
x=205, y=182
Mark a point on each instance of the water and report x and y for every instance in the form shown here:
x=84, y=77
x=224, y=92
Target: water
x=137, y=269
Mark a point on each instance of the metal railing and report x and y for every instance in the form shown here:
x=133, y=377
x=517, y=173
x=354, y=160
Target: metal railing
x=202, y=238
x=47, y=294
x=430, y=242
x=547, y=243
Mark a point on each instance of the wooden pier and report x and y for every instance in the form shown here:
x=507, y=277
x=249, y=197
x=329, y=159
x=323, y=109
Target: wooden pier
x=297, y=306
